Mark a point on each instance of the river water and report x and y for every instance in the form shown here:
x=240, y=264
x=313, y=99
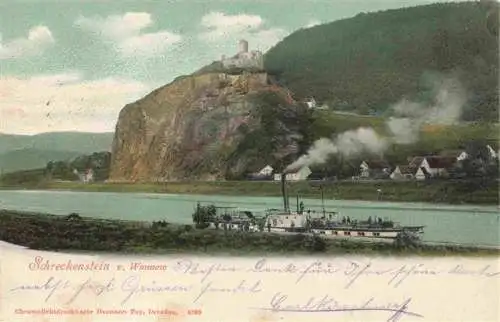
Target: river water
x=474, y=225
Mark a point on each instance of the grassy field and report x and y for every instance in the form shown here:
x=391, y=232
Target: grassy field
x=411, y=191
x=66, y=233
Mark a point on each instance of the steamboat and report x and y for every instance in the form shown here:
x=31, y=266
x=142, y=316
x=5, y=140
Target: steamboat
x=326, y=224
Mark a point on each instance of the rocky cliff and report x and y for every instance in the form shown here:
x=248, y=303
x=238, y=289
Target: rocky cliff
x=206, y=127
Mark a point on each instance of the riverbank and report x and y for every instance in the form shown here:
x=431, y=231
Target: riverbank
x=446, y=192
x=80, y=234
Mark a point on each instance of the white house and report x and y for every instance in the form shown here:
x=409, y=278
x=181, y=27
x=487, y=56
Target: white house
x=89, y=176
x=435, y=166
x=462, y=156
x=493, y=154
x=311, y=103
x=86, y=177
x=295, y=175
x=266, y=171
x=408, y=173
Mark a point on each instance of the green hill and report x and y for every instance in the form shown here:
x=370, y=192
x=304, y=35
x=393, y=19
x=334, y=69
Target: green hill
x=366, y=63
x=25, y=159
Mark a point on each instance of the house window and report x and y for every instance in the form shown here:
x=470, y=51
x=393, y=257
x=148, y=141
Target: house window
x=376, y=234
x=347, y=233
x=360, y=233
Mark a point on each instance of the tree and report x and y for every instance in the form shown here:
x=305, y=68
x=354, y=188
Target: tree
x=204, y=214
x=479, y=162
x=391, y=49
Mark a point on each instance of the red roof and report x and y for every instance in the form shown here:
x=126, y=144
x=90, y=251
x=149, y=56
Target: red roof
x=440, y=162
x=434, y=161
x=451, y=153
x=377, y=164
x=405, y=169
x=416, y=161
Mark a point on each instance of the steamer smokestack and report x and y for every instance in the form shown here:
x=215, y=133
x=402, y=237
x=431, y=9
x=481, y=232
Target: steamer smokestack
x=283, y=191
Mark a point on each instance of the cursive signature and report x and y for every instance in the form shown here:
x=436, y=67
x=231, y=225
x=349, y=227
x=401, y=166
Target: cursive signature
x=280, y=303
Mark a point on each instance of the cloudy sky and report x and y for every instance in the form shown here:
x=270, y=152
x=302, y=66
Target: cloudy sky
x=71, y=65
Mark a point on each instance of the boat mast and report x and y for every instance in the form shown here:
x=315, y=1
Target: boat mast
x=323, y=201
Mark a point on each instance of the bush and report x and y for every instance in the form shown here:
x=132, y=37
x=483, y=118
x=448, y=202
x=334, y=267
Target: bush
x=315, y=243
x=406, y=240
x=202, y=225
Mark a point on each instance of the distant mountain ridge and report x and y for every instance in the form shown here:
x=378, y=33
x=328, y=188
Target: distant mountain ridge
x=84, y=142
x=23, y=152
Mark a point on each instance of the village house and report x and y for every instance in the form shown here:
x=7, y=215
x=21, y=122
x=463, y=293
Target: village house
x=298, y=174
x=89, y=176
x=86, y=177
x=406, y=172
x=493, y=154
x=265, y=173
x=435, y=166
x=374, y=169
x=311, y=103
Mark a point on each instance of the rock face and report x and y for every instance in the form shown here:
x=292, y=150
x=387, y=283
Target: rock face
x=200, y=127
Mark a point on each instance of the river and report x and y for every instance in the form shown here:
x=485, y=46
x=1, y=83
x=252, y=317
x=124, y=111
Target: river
x=469, y=225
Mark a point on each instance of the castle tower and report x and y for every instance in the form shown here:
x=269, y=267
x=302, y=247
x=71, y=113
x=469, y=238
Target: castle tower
x=243, y=46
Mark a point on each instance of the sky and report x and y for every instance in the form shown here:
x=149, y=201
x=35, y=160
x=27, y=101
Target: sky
x=72, y=65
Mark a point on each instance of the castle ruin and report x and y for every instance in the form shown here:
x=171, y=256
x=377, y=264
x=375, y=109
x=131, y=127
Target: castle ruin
x=244, y=58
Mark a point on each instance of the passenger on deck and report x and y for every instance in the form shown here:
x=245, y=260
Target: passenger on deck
x=348, y=219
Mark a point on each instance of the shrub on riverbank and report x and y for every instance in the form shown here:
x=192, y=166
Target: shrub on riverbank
x=75, y=233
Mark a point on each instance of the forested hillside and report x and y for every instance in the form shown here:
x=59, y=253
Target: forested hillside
x=23, y=152
x=61, y=169
x=366, y=63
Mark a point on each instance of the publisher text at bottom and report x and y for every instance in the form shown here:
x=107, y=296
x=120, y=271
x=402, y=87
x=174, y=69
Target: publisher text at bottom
x=99, y=311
